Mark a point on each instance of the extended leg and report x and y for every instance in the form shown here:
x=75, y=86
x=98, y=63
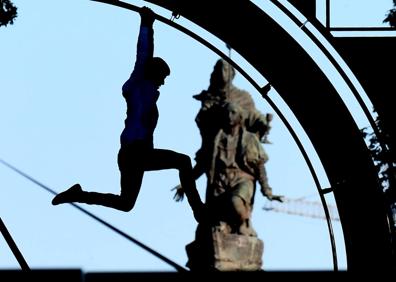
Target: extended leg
x=130, y=187
x=130, y=164
x=167, y=159
x=242, y=216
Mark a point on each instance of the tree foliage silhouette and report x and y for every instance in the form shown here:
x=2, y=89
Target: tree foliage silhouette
x=386, y=166
x=8, y=12
x=391, y=16
x=381, y=157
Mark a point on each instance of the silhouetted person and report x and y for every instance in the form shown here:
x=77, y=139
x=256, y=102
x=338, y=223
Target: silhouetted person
x=137, y=153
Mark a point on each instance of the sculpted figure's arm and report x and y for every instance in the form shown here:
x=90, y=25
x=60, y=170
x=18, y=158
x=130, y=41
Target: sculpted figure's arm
x=266, y=190
x=261, y=174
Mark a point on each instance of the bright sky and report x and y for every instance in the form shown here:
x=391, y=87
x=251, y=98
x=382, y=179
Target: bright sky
x=61, y=113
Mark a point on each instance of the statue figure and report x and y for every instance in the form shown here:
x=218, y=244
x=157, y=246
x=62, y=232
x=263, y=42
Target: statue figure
x=221, y=90
x=232, y=158
x=236, y=164
x=249, y=125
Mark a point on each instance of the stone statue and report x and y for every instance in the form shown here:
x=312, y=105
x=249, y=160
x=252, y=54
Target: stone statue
x=232, y=158
x=220, y=93
x=221, y=90
x=237, y=163
x=227, y=241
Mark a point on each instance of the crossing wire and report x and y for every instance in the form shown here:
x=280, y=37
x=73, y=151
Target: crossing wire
x=115, y=229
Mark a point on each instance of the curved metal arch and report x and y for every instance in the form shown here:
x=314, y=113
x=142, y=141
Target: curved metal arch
x=321, y=29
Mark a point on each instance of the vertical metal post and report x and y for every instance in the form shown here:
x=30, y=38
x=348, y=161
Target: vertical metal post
x=13, y=246
x=328, y=14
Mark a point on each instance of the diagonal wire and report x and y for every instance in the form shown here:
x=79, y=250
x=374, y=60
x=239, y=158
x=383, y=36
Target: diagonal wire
x=115, y=229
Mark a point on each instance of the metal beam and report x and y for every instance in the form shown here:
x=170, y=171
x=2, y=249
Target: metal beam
x=18, y=255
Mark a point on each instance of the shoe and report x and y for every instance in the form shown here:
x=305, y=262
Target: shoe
x=70, y=195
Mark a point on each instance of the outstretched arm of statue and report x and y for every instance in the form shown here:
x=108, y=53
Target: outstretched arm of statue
x=266, y=190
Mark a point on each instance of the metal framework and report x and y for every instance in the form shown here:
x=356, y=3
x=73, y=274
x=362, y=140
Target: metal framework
x=321, y=191
x=14, y=248
x=317, y=106
x=321, y=112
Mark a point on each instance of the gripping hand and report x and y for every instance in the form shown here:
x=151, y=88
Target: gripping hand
x=147, y=16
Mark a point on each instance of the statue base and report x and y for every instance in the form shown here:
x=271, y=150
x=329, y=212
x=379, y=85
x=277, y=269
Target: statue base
x=225, y=252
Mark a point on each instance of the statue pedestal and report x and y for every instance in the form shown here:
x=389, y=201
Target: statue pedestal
x=225, y=252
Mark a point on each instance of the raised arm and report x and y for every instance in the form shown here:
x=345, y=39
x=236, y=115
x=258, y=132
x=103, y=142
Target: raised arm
x=145, y=47
x=145, y=44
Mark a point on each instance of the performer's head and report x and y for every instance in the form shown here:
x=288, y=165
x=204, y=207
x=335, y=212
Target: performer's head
x=157, y=70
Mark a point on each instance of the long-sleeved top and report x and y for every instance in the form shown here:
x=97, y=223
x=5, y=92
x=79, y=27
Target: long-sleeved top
x=141, y=95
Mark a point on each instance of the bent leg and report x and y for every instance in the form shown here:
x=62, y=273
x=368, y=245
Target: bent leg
x=240, y=211
x=241, y=200
x=130, y=160
x=124, y=202
x=130, y=187
x=160, y=159
x=242, y=222
x=76, y=194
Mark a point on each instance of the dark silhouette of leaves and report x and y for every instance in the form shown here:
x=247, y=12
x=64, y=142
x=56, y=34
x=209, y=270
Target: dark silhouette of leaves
x=385, y=166
x=391, y=16
x=8, y=12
